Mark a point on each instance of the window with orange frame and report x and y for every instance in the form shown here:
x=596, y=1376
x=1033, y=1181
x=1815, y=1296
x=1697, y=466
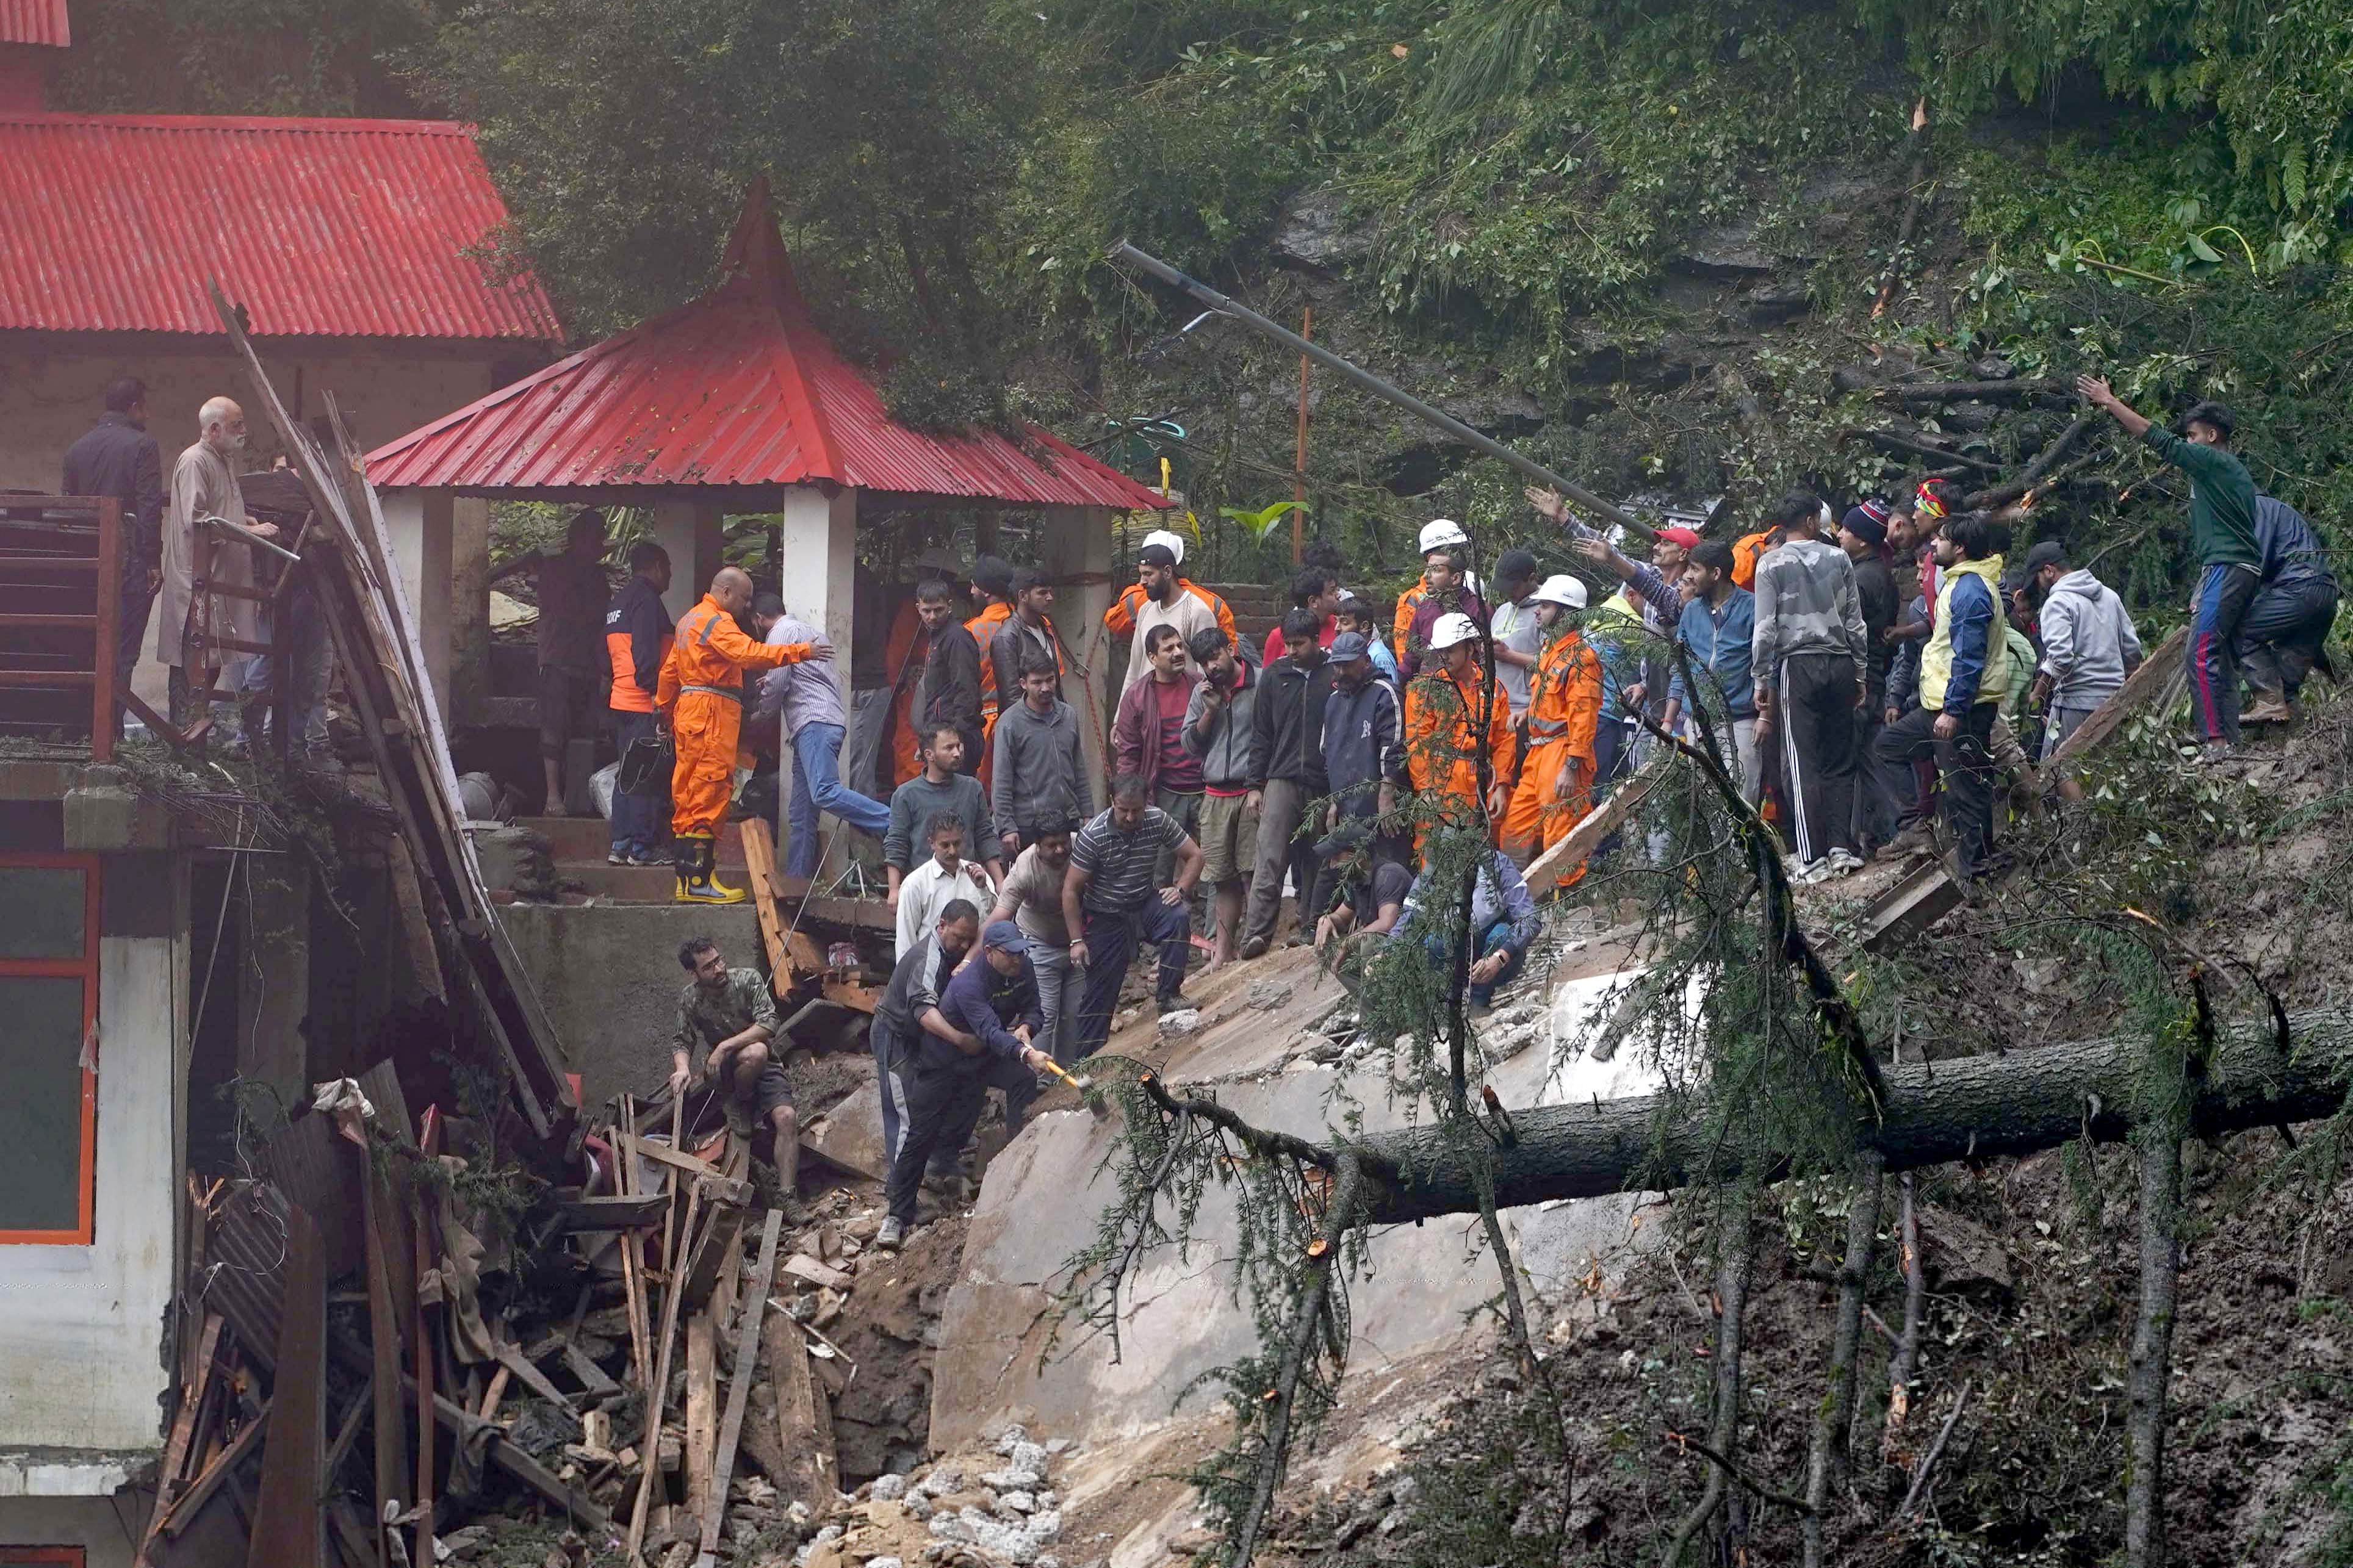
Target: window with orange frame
x=48, y=1054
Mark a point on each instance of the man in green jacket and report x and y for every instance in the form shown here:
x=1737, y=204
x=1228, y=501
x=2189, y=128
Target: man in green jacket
x=2223, y=532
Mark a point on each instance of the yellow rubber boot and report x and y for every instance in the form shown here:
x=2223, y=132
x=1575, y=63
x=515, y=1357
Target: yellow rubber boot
x=704, y=886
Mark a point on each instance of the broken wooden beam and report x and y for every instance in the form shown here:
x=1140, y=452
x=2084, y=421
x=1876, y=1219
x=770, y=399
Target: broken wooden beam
x=804, y=1419
x=747, y=1353
x=288, y=1530
x=2156, y=676
x=609, y=1212
x=1909, y=908
x=1556, y=862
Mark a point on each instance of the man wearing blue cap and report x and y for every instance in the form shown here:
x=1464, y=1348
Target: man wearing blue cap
x=994, y=1005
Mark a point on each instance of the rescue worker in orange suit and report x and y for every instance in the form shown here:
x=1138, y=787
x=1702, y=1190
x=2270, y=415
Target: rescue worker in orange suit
x=1442, y=742
x=702, y=691
x=636, y=641
x=1555, y=787
x=1438, y=533
x=992, y=592
x=908, y=649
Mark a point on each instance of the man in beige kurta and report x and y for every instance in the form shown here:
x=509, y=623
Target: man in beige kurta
x=205, y=484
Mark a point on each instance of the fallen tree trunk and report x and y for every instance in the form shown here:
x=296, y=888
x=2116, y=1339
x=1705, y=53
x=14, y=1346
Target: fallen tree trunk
x=1978, y=1107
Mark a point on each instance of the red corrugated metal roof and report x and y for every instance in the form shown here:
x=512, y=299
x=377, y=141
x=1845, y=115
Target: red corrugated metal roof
x=319, y=227
x=738, y=388
x=35, y=22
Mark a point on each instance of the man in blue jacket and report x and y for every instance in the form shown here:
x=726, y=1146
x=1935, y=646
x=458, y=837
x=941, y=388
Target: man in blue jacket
x=993, y=1004
x=2282, y=636
x=1718, y=629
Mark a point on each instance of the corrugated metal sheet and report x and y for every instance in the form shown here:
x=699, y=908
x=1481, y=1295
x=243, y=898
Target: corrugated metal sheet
x=35, y=22
x=738, y=388
x=319, y=227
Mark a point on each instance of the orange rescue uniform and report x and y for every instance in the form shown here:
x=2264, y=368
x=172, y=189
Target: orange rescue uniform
x=905, y=652
x=983, y=626
x=702, y=690
x=1442, y=742
x=1563, y=709
x=1402, y=628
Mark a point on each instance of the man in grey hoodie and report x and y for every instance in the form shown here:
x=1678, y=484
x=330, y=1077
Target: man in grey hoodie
x=2088, y=642
x=1221, y=730
x=1038, y=771
x=1810, y=653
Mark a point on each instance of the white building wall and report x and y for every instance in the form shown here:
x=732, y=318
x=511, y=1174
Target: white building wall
x=82, y=1327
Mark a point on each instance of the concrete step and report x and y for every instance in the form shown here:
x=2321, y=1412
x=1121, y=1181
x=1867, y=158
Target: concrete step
x=586, y=839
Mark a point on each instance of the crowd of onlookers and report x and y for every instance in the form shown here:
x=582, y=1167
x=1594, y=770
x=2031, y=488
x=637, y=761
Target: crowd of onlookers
x=1860, y=673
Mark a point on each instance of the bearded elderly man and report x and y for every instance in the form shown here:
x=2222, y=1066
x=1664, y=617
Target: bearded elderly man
x=205, y=484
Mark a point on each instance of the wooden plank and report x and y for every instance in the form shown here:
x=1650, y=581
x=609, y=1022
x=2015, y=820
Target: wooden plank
x=184, y=1426
x=851, y=994
x=715, y=1251
x=493, y=1393
x=515, y=1362
x=760, y=871
x=347, y=1437
x=425, y=1342
x=2156, y=673
x=739, y=1388
x=1909, y=908
x=289, y=1530
x=210, y=1480
x=648, y=1448
x=702, y=1402
x=804, y=1420
x=609, y=1212
x=1548, y=867
x=383, y=1347
x=633, y=1281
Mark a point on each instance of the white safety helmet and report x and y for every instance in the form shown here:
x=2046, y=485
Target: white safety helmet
x=1442, y=533
x=1451, y=630
x=1562, y=589
x=1175, y=541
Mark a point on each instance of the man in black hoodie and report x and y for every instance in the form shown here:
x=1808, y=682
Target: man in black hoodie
x=116, y=457
x=1289, y=751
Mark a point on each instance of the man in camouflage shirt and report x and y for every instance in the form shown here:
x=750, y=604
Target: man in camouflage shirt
x=726, y=1015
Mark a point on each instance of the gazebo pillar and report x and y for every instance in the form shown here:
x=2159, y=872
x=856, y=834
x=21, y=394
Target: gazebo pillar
x=1074, y=549
x=690, y=531
x=818, y=562
x=422, y=525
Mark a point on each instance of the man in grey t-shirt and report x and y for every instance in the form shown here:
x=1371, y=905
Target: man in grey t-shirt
x=1032, y=898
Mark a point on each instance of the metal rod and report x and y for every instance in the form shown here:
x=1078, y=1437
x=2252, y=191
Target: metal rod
x=1299, y=462
x=241, y=532
x=1124, y=251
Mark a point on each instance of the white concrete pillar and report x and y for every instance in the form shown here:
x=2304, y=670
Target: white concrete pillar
x=690, y=531
x=422, y=524
x=1074, y=549
x=819, y=561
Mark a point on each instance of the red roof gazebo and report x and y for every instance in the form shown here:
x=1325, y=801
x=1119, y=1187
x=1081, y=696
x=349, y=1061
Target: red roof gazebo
x=737, y=403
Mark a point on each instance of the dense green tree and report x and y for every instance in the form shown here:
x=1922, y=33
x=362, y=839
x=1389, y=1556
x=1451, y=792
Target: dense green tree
x=242, y=56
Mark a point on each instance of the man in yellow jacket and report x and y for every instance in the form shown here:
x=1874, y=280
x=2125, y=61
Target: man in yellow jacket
x=701, y=692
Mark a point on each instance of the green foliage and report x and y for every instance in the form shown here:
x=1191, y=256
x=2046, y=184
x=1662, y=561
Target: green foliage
x=2278, y=80
x=242, y=56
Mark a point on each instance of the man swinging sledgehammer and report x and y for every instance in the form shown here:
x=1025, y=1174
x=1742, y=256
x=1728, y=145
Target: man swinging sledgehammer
x=702, y=691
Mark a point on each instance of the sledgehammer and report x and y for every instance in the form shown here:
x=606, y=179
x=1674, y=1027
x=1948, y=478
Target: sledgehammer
x=1089, y=1094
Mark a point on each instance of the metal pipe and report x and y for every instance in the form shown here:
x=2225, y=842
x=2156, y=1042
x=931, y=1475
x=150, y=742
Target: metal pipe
x=1222, y=305
x=239, y=530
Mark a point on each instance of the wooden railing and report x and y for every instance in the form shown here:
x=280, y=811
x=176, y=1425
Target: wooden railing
x=60, y=574
x=60, y=609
